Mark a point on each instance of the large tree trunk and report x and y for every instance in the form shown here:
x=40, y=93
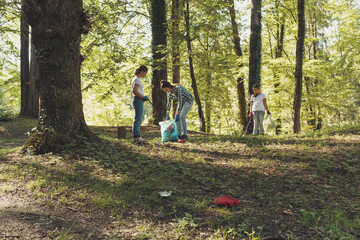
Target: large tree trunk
x=56, y=30
x=24, y=63
x=175, y=44
x=159, y=65
x=240, y=81
x=299, y=67
x=192, y=74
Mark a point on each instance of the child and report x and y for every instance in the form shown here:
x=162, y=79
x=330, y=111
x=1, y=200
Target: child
x=138, y=98
x=185, y=101
x=257, y=109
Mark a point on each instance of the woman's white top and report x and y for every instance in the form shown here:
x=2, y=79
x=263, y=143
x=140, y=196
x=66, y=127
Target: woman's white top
x=258, y=102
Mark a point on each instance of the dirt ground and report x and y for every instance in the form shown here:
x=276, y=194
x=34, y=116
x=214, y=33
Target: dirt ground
x=22, y=218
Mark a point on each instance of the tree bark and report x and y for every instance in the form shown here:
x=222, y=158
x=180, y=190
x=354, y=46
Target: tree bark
x=240, y=80
x=24, y=62
x=255, y=50
x=175, y=44
x=299, y=66
x=255, y=45
x=208, y=97
x=33, y=101
x=175, y=19
x=159, y=65
x=280, y=31
x=56, y=30
x=192, y=74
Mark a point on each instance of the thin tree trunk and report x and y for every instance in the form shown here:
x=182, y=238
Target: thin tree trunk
x=56, y=33
x=280, y=31
x=192, y=74
x=240, y=80
x=208, y=97
x=175, y=19
x=312, y=119
x=159, y=66
x=255, y=45
x=33, y=103
x=175, y=44
x=255, y=51
x=24, y=62
x=315, y=48
x=299, y=66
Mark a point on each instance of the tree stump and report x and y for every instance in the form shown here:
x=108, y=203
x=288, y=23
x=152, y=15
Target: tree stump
x=121, y=131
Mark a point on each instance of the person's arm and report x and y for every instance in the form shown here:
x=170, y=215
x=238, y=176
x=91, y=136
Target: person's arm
x=251, y=113
x=251, y=106
x=266, y=106
x=180, y=101
x=168, y=106
x=136, y=91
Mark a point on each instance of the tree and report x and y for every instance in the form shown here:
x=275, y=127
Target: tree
x=29, y=97
x=33, y=99
x=299, y=66
x=280, y=31
x=255, y=49
x=192, y=74
x=255, y=45
x=240, y=80
x=24, y=62
x=159, y=65
x=56, y=32
x=175, y=43
x=175, y=40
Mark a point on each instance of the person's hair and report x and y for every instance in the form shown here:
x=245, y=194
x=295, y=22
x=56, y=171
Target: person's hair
x=166, y=84
x=141, y=68
x=256, y=86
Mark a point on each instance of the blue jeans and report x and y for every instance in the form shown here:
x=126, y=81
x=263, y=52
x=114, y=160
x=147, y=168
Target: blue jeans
x=138, y=105
x=258, y=121
x=184, y=111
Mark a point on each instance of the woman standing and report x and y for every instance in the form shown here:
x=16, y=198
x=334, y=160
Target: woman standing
x=185, y=101
x=138, y=98
x=257, y=109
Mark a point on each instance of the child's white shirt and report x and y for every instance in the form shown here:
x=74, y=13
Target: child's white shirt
x=258, y=102
x=136, y=80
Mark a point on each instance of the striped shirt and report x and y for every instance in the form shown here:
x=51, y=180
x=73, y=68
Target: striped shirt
x=179, y=94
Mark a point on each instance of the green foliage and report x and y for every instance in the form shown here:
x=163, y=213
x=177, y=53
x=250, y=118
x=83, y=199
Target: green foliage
x=111, y=56
x=120, y=40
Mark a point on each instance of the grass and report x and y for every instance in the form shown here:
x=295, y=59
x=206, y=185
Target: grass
x=290, y=187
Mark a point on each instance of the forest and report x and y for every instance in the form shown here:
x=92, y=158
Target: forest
x=66, y=71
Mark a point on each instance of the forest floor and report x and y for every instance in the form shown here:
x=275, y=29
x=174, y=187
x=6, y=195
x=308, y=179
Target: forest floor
x=289, y=187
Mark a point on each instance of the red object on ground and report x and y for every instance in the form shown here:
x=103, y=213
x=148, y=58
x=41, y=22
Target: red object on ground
x=181, y=140
x=227, y=201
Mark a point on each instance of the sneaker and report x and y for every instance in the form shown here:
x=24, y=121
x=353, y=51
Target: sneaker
x=139, y=141
x=184, y=137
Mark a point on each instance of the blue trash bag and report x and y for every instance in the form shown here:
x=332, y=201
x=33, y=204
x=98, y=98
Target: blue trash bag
x=169, y=131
